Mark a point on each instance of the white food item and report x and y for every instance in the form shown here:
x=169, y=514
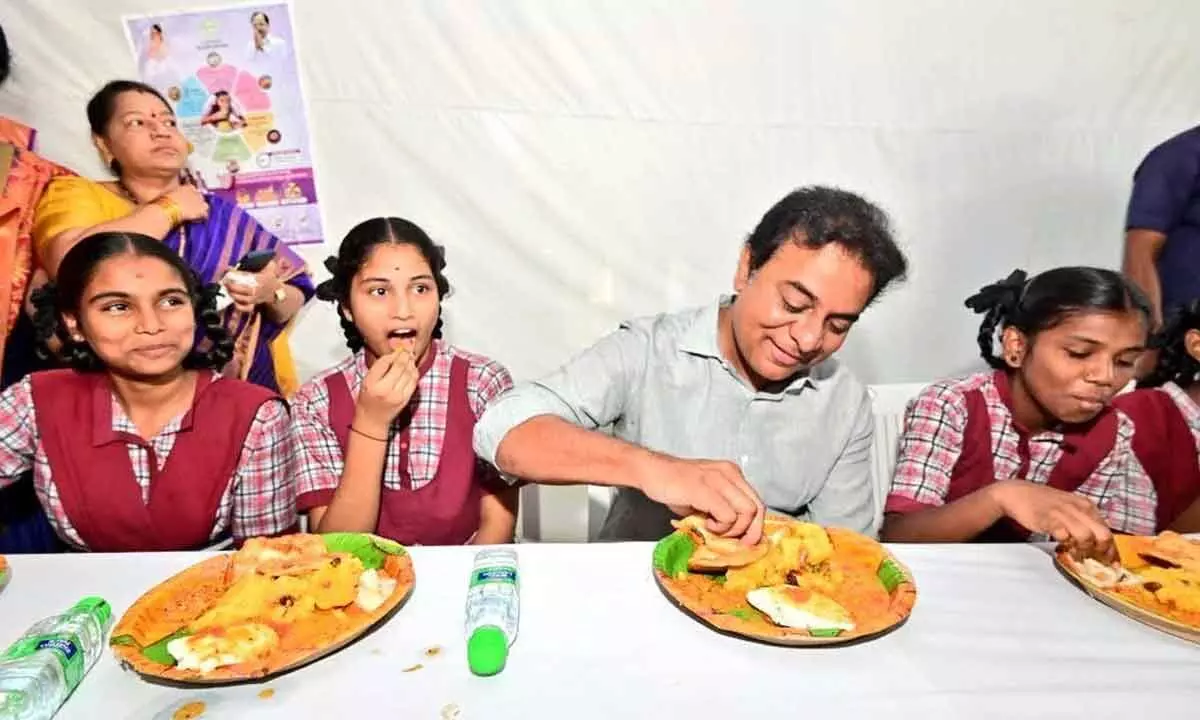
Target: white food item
x=373, y=590
x=239, y=277
x=816, y=612
x=206, y=651
x=1105, y=577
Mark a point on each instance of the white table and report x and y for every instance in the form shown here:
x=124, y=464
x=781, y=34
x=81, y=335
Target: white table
x=996, y=633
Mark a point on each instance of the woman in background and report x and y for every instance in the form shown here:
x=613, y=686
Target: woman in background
x=1031, y=449
x=135, y=132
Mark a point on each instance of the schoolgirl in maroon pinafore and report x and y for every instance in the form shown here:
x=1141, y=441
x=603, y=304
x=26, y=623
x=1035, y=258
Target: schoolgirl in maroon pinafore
x=139, y=445
x=384, y=439
x=1031, y=449
x=1166, y=413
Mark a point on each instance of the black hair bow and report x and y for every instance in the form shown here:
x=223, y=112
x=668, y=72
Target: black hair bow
x=1001, y=295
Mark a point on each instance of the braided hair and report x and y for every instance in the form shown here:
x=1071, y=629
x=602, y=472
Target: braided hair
x=356, y=247
x=1175, y=363
x=214, y=345
x=1032, y=305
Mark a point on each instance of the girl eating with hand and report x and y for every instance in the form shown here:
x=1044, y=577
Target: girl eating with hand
x=140, y=445
x=1167, y=417
x=1031, y=449
x=384, y=438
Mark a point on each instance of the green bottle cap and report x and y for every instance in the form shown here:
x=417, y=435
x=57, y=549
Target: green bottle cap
x=487, y=650
x=97, y=606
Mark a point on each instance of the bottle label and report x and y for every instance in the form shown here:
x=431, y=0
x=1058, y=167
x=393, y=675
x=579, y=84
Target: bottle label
x=494, y=575
x=63, y=646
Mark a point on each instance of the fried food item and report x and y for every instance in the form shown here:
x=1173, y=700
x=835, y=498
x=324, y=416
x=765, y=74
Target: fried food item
x=794, y=607
x=331, y=582
x=1175, y=549
x=218, y=647
x=794, y=546
x=283, y=599
x=1130, y=549
x=1177, y=588
x=814, y=541
x=287, y=555
x=175, y=603
x=335, y=584
x=714, y=552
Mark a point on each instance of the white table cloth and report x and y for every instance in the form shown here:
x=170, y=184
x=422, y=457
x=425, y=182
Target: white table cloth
x=996, y=633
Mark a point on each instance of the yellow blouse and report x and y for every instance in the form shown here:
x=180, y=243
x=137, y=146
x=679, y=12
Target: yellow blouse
x=75, y=203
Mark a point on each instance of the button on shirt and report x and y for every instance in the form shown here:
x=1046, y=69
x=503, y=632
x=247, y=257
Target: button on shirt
x=662, y=383
x=1166, y=199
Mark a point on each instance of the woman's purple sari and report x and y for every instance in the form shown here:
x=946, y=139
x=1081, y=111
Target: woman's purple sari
x=215, y=245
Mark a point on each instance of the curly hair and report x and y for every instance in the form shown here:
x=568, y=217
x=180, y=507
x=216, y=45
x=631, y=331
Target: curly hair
x=214, y=345
x=817, y=216
x=356, y=247
x=1046, y=300
x=1175, y=363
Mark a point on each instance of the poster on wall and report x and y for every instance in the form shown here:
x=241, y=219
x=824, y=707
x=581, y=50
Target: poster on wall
x=232, y=77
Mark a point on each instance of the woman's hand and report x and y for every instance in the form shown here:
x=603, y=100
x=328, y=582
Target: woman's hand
x=249, y=290
x=1070, y=519
x=191, y=202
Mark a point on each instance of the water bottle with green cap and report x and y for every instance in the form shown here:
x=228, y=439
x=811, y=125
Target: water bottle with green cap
x=493, y=610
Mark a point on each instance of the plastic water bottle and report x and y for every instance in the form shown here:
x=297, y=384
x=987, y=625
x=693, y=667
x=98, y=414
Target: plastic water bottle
x=493, y=610
x=40, y=670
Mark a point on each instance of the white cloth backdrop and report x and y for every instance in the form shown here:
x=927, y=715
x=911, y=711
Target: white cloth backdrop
x=585, y=161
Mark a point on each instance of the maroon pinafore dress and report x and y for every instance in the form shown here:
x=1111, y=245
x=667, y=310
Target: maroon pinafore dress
x=444, y=511
x=91, y=468
x=1084, y=448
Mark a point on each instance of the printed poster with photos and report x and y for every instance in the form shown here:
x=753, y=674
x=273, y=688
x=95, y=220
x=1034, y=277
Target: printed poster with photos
x=232, y=77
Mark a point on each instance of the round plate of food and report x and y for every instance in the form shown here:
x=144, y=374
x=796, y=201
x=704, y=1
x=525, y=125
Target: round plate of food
x=801, y=585
x=271, y=607
x=1156, y=581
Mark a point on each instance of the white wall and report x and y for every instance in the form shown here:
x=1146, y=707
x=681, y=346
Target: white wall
x=585, y=161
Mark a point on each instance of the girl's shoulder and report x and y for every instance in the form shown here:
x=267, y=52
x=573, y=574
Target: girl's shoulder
x=481, y=368
x=955, y=390
x=1156, y=413
x=314, y=394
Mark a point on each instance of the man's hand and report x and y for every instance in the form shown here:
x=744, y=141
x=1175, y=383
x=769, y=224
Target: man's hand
x=715, y=488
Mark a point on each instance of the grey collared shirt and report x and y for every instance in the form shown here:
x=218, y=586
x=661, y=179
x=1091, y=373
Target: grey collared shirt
x=662, y=383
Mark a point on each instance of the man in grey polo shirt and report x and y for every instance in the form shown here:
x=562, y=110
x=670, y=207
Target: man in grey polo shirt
x=724, y=408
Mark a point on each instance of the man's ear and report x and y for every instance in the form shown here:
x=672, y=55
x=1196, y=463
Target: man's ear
x=741, y=278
